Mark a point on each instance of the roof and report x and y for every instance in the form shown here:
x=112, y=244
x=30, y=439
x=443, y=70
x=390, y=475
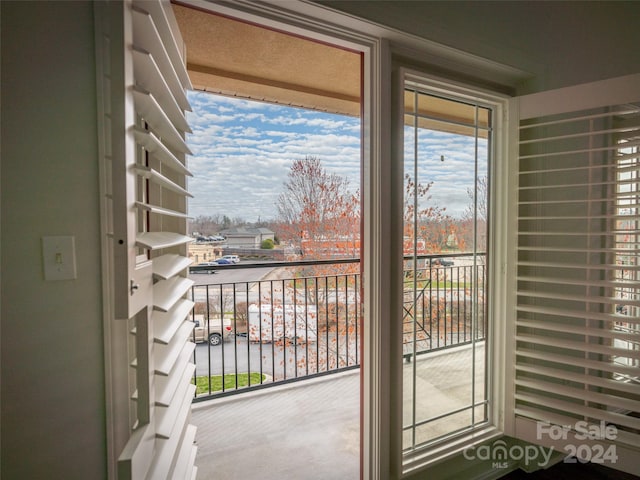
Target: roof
x=246, y=232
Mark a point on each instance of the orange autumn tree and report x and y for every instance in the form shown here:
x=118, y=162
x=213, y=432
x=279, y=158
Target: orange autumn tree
x=319, y=214
x=426, y=227
x=319, y=219
x=427, y=231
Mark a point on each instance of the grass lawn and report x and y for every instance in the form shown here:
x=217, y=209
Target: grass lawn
x=202, y=383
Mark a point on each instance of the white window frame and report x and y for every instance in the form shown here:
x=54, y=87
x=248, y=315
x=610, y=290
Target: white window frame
x=500, y=248
x=376, y=210
x=380, y=412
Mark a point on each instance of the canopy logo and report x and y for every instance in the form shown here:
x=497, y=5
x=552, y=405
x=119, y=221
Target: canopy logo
x=501, y=454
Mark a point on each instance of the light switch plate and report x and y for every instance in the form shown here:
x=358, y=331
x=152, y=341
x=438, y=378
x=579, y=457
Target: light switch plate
x=59, y=258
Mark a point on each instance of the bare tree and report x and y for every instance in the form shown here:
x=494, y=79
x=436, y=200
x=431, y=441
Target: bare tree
x=478, y=197
x=474, y=218
x=426, y=226
x=210, y=224
x=317, y=210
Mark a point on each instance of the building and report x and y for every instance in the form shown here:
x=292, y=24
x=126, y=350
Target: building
x=60, y=405
x=247, y=237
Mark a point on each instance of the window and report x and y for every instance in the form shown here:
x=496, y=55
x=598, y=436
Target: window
x=577, y=290
x=627, y=273
x=449, y=150
x=380, y=410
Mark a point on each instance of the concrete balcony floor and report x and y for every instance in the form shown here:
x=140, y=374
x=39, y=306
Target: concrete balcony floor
x=310, y=429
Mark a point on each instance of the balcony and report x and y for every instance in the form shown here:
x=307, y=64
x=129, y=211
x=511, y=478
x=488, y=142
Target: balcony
x=290, y=321
x=282, y=322
x=294, y=353
x=311, y=429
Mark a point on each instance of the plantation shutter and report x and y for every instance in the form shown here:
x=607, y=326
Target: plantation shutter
x=142, y=82
x=578, y=279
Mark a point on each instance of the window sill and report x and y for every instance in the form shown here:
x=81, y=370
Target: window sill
x=447, y=454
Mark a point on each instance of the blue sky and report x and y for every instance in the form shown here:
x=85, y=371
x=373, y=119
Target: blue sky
x=242, y=152
x=451, y=177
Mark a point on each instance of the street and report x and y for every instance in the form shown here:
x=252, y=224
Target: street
x=277, y=361
x=231, y=275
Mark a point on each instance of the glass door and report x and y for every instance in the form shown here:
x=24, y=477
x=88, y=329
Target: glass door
x=445, y=334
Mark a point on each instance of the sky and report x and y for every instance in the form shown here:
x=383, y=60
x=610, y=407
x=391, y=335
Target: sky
x=243, y=150
x=447, y=160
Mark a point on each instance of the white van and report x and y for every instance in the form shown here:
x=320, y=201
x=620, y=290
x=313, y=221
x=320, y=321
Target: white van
x=232, y=258
x=270, y=323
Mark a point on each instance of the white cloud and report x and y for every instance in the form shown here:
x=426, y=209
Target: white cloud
x=242, y=152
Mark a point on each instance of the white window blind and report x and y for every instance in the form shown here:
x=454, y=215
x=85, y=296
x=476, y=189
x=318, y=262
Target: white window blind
x=578, y=289
x=143, y=81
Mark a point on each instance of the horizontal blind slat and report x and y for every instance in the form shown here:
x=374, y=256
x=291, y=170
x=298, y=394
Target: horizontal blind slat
x=152, y=112
x=168, y=265
x=166, y=324
x=610, y=401
x=557, y=155
x=578, y=409
x=170, y=36
x=578, y=298
x=148, y=76
x=582, y=266
x=576, y=281
x=160, y=210
x=185, y=459
x=159, y=151
x=159, y=179
x=578, y=346
x=167, y=355
x=579, y=330
x=530, y=411
x=166, y=386
x=618, y=113
x=589, y=380
x=595, y=365
x=146, y=36
x=166, y=293
x=160, y=240
x=167, y=417
x=167, y=448
x=587, y=133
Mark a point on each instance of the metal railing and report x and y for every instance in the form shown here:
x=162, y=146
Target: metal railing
x=300, y=320
x=443, y=302
x=303, y=319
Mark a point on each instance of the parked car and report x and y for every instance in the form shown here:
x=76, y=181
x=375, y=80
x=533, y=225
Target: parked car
x=232, y=258
x=213, y=331
x=203, y=264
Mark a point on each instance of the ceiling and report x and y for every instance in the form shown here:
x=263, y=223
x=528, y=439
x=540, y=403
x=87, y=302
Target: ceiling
x=235, y=58
x=230, y=57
